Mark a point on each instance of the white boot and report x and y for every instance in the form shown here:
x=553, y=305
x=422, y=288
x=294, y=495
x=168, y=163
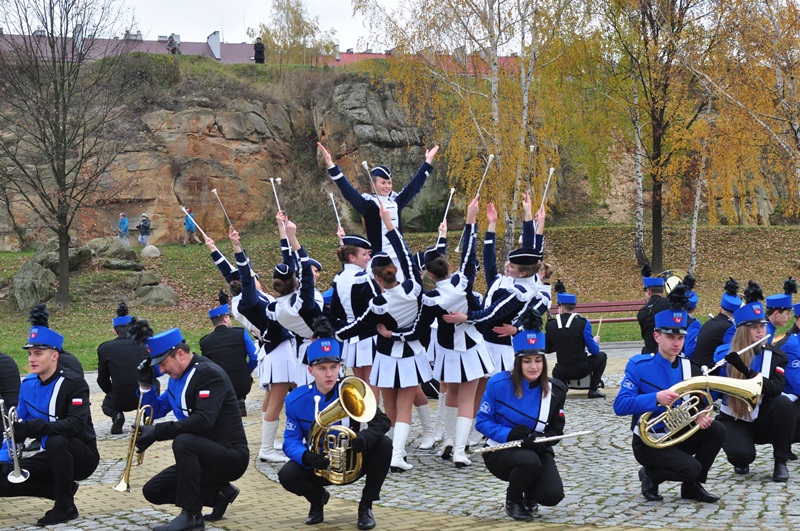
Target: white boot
x=438, y=432
x=475, y=437
x=463, y=425
x=424, y=412
x=450, y=414
x=401, y=431
x=267, y=452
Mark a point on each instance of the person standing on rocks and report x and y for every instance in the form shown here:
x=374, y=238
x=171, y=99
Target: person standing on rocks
x=258, y=51
x=191, y=229
x=144, y=229
x=123, y=229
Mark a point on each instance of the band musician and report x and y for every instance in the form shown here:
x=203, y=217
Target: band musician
x=646, y=387
x=297, y=476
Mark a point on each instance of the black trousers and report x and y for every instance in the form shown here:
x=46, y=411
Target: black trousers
x=121, y=398
x=687, y=462
x=303, y=482
x=775, y=425
x=202, y=467
x=531, y=476
x=65, y=459
x=594, y=366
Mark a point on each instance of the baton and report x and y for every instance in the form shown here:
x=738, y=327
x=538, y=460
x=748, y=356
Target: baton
x=369, y=176
x=214, y=191
x=447, y=209
x=485, y=171
x=338, y=221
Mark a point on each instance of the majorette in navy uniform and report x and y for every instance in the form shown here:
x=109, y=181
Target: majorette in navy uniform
x=53, y=406
x=530, y=408
x=352, y=290
x=656, y=302
x=645, y=388
x=295, y=308
x=232, y=349
x=297, y=476
x=711, y=334
x=208, y=439
x=570, y=336
x=773, y=420
x=790, y=345
x=116, y=370
x=368, y=205
x=399, y=366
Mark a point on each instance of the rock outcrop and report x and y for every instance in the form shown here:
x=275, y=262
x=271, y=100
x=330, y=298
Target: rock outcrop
x=33, y=284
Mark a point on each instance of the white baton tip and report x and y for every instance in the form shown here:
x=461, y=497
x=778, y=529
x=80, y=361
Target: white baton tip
x=491, y=157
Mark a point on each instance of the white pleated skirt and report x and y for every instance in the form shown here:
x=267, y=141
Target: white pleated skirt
x=279, y=366
x=458, y=366
x=398, y=373
x=431, y=352
x=302, y=376
x=502, y=357
x=359, y=353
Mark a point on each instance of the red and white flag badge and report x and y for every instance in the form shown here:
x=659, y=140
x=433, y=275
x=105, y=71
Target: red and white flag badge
x=779, y=370
x=205, y=393
x=561, y=413
x=77, y=401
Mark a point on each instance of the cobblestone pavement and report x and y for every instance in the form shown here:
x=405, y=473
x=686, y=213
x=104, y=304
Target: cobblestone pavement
x=598, y=470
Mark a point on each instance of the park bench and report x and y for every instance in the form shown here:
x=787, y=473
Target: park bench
x=585, y=308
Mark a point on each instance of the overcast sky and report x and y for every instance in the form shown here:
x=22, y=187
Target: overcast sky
x=197, y=19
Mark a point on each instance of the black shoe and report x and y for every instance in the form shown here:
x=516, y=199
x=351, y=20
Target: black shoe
x=594, y=393
x=74, y=488
x=649, y=487
x=696, y=491
x=530, y=506
x=316, y=515
x=116, y=423
x=365, y=518
x=741, y=470
x=185, y=521
x=242, y=408
x=780, y=474
x=518, y=512
x=58, y=515
x=33, y=446
x=225, y=497
x=447, y=453
x=792, y=456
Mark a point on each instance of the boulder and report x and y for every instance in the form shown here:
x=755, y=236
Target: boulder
x=117, y=249
x=99, y=246
x=78, y=258
x=161, y=295
x=33, y=284
x=125, y=265
x=151, y=251
x=143, y=278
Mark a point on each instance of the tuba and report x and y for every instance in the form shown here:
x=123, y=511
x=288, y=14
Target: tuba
x=672, y=277
x=357, y=401
x=144, y=416
x=694, y=397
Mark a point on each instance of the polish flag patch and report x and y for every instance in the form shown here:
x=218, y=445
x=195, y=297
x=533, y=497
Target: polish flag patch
x=204, y=393
x=77, y=401
x=561, y=413
x=779, y=370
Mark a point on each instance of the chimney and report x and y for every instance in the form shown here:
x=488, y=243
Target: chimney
x=213, y=42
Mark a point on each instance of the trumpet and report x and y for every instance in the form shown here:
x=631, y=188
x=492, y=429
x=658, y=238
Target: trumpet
x=18, y=475
x=144, y=415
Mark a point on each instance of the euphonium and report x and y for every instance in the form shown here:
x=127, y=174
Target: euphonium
x=693, y=400
x=144, y=415
x=17, y=475
x=357, y=401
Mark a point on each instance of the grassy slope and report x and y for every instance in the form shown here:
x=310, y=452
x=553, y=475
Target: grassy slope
x=595, y=262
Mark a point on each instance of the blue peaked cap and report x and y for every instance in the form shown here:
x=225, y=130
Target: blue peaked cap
x=160, y=344
x=322, y=350
x=528, y=342
x=219, y=311
x=43, y=337
x=672, y=321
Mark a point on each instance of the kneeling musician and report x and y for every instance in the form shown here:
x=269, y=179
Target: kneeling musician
x=648, y=388
x=314, y=438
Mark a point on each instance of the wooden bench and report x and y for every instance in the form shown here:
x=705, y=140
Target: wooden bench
x=585, y=308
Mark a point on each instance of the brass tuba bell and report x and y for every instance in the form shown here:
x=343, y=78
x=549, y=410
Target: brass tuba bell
x=357, y=401
x=679, y=422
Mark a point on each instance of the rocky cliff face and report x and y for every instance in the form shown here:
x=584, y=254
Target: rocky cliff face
x=179, y=156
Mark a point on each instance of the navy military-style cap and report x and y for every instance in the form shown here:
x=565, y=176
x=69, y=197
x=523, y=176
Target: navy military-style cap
x=382, y=172
x=283, y=272
x=524, y=256
x=672, y=322
x=380, y=260
x=750, y=314
x=315, y=264
x=528, y=343
x=356, y=241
